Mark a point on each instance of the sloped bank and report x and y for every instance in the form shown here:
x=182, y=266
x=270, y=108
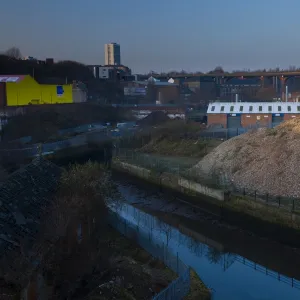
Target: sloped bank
x=265, y=221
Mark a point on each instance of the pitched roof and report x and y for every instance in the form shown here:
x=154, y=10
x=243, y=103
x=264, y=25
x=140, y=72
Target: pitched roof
x=24, y=198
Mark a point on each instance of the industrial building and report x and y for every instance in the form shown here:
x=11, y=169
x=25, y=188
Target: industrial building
x=153, y=91
x=251, y=114
x=112, y=72
x=22, y=90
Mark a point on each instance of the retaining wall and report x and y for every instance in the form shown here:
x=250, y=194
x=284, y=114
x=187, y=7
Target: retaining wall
x=170, y=180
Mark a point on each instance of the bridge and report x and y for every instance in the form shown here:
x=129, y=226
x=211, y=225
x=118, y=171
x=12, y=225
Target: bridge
x=285, y=74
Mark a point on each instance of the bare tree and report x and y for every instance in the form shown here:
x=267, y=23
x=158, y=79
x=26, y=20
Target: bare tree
x=217, y=70
x=13, y=52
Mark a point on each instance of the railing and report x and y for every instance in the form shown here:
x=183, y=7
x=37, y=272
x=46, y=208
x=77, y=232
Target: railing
x=178, y=288
x=259, y=268
x=159, y=165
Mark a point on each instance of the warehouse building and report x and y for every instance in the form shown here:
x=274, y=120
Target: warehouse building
x=251, y=114
x=23, y=90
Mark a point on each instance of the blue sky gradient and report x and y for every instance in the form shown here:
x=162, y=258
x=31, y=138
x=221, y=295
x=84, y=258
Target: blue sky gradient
x=159, y=35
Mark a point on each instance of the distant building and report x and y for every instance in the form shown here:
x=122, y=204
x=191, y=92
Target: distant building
x=251, y=114
x=29, y=58
x=153, y=91
x=23, y=90
x=112, y=54
x=49, y=61
x=113, y=72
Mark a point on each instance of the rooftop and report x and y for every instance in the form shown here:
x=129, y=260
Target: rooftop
x=11, y=78
x=254, y=108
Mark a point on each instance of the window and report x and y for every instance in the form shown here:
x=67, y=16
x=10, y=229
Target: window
x=222, y=108
x=260, y=108
x=289, y=108
x=251, y=108
x=279, y=108
x=298, y=108
x=213, y=108
x=231, y=108
x=241, y=108
x=270, y=108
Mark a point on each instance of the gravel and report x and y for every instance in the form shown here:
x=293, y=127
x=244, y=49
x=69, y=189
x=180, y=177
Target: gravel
x=264, y=160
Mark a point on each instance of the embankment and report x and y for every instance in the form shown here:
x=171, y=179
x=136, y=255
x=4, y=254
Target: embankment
x=256, y=217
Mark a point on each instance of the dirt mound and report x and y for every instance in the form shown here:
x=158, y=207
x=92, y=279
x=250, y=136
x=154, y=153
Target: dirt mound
x=265, y=160
x=155, y=118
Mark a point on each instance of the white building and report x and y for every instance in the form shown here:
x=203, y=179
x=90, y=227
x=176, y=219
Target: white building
x=104, y=72
x=112, y=54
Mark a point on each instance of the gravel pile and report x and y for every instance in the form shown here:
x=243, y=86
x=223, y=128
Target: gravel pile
x=265, y=160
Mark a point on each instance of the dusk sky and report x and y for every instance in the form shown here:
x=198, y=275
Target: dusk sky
x=159, y=35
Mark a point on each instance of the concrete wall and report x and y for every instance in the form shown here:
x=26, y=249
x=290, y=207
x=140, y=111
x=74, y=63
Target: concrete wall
x=135, y=170
x=170, y=180
x=201, y=189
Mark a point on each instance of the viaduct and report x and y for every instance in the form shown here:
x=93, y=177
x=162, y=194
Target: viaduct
x=277, y=79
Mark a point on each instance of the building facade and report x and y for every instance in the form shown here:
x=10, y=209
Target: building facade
x=112, y=54
x=22, y=90
x=251, y=114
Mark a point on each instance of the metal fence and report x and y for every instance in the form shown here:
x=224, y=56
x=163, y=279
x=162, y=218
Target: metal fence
x=227, y=133
x=219, y=181
x=178, y=288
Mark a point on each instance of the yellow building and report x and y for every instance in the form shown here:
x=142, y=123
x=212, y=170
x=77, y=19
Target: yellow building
x=20, y=90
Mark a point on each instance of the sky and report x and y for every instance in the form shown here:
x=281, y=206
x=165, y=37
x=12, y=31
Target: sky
x=157, y=35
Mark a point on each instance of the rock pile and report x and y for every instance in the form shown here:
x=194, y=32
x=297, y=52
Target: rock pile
x=264, y=160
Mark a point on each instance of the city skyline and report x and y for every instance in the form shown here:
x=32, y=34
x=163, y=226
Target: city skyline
x=197, y=36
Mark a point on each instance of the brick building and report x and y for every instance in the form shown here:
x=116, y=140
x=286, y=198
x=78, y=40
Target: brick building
x=251, y=114
x=154, y=91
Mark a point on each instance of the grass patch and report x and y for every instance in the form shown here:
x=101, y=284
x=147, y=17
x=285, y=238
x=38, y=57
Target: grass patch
x=199, y=291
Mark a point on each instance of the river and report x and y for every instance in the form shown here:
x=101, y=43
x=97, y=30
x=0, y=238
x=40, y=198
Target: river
x=231, y=275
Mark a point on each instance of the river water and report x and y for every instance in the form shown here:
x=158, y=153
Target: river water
x=229, y=274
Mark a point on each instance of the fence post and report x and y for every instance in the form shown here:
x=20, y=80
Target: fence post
x=293, y=208
x=177, y=263
x=255, y=195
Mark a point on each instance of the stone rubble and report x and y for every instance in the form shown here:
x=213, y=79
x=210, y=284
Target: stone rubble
x=265, y=160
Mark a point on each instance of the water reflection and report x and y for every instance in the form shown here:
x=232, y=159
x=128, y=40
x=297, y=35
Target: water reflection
x=230, y=276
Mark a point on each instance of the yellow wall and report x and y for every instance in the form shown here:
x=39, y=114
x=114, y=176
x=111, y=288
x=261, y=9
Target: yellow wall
x=28, y=91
